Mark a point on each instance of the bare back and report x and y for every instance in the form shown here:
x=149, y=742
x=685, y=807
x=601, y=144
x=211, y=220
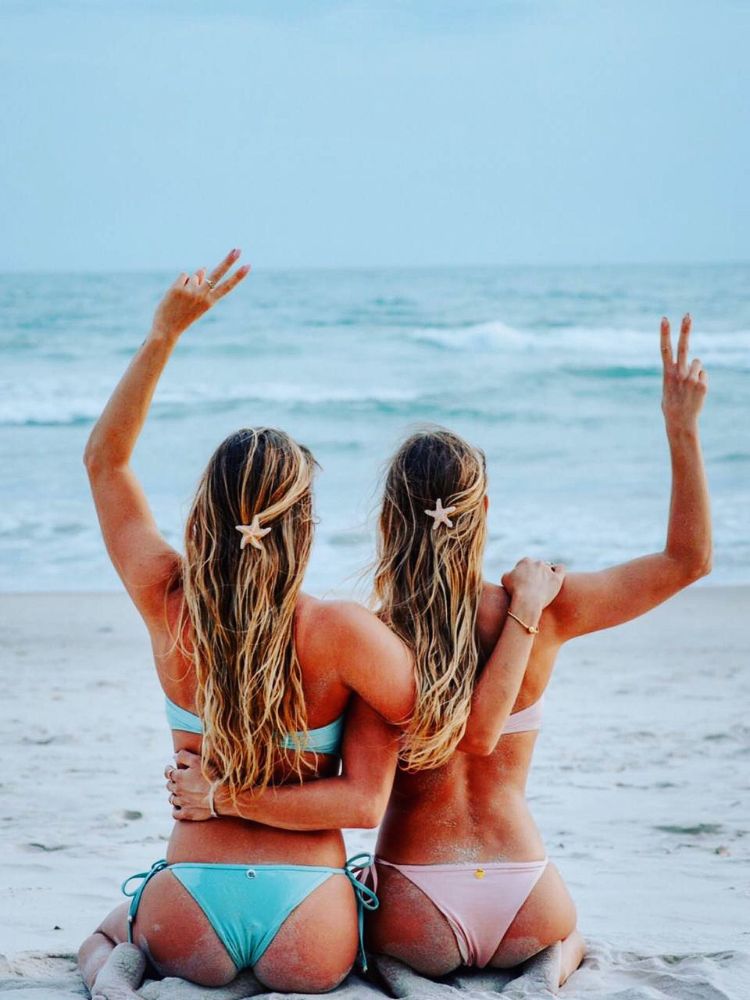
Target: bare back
x=232, y=840
x=474, y=807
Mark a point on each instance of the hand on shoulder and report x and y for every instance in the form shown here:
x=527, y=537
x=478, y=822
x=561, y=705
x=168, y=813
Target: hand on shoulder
x=533, y=585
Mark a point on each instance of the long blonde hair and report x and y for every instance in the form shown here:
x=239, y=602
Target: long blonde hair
x=237, y=619
x=428, y=582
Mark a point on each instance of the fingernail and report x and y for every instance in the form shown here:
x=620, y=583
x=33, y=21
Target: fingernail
x=236, y=252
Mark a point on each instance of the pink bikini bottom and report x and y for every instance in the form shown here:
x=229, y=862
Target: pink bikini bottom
x=480, y=902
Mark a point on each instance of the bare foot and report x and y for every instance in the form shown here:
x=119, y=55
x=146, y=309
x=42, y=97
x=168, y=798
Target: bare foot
x=121, y=974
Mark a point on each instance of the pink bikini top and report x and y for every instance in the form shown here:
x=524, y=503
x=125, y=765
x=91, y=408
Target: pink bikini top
x=527, y=720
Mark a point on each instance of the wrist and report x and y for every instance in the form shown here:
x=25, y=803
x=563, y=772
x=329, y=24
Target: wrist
x=220, y=800
x=162, y=335
x=683, y=432
x=527, y=607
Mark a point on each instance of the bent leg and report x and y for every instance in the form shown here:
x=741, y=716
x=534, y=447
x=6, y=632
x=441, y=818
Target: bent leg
x=547, y=916
x=312, y=952
x=111, y=968
x=408, y=926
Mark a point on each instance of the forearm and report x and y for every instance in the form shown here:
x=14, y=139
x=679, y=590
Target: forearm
x=114, y=436
x=689, y=530
x=497, y=689
x=322, y=804
x=355, y=798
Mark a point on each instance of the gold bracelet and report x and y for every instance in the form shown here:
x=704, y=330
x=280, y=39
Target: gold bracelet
x=531, y=629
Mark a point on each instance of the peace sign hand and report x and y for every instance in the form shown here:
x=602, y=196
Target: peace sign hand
x=192, y=295
x=685, y=385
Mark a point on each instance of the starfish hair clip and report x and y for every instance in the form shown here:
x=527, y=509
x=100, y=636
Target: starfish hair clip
x=252, y=533
x=440, y=515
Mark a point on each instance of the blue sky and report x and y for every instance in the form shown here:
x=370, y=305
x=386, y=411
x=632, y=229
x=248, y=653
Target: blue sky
x=158, y=133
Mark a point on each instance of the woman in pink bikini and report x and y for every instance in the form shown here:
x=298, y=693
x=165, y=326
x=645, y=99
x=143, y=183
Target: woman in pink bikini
x=461, y=870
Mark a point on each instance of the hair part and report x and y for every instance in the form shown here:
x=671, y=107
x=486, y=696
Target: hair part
x=238, y=612
x=428, y=582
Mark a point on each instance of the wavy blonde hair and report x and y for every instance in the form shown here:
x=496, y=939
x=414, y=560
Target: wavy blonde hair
x=428, y=582
x=237, y=619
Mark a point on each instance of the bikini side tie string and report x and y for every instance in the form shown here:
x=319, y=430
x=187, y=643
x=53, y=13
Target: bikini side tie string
x=135, y=895
x=366, y=897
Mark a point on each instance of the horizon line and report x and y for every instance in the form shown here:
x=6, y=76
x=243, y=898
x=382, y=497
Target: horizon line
x=323, y=268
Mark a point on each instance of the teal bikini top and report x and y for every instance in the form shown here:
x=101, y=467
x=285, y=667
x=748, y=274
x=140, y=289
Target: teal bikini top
x=326, y=739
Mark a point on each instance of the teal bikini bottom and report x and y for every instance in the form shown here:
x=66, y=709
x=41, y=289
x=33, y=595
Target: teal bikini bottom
x=247, y=904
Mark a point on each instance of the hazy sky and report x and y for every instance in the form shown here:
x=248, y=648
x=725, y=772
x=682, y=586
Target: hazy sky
x=160, y=132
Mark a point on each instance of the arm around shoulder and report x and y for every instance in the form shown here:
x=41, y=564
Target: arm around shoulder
x=370, y=659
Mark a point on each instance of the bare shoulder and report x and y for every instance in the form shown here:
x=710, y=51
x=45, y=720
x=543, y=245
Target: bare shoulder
x=332, y=623
x=343, y=633
x=350, y=644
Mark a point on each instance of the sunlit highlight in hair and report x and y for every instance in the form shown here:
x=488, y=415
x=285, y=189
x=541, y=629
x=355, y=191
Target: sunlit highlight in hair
x=428, y=583
x=237, y=623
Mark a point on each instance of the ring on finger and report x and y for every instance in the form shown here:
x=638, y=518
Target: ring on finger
x=211, y=284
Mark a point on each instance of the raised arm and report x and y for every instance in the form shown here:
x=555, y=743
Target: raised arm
x=142, y=557
x=592, y=601
x=355, y=798
x=531, y=585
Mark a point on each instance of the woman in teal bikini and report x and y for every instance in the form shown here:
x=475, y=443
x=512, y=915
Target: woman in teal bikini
x=257, y=677
x=270, y=672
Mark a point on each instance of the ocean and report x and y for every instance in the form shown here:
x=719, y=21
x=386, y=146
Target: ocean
x=554, y=372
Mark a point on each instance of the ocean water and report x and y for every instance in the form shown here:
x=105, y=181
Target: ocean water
x=554, y=372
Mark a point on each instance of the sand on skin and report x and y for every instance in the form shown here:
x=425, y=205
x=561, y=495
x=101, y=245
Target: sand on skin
x=640, y=783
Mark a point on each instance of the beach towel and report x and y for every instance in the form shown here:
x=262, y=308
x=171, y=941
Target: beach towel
x=607, y=974
x=35, y=976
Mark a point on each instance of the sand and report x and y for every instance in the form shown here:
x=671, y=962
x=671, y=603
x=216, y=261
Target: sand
x=640, y=788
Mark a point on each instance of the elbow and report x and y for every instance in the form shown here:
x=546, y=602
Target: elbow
x=692, y=566
x=370, y=817
x=705, y=567
x=99, y=458
x=477, y=744
x=370, y=812
x=699, y=567
x=92, y=457
x=90, y=461
x=369, y=821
